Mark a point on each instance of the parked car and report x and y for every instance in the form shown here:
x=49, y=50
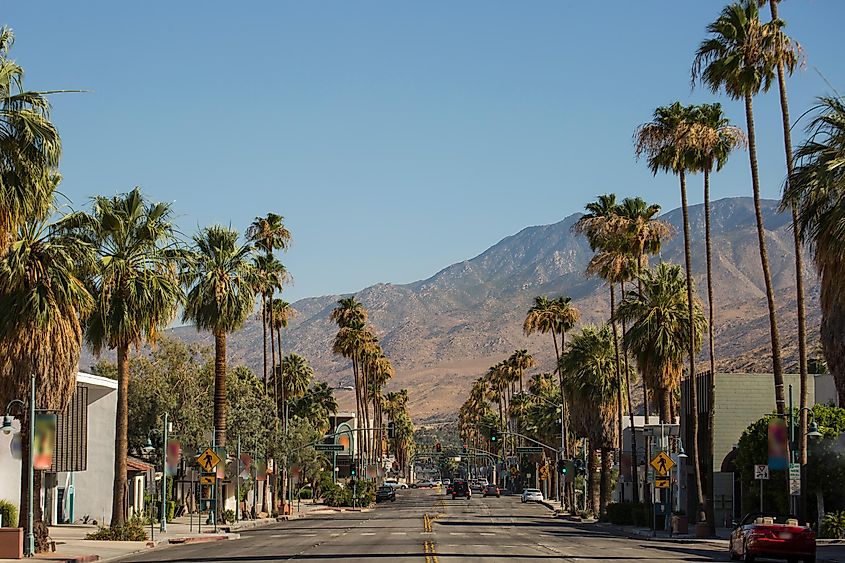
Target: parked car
x=475, y=485
x=447, y=482
x=449, y=488
x=386, y=493
x=492, y=490
x=772, y=537
x=532, y=495
x=395, y=484
x=461, y=489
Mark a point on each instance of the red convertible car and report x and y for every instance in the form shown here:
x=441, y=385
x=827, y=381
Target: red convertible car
x=772, y=537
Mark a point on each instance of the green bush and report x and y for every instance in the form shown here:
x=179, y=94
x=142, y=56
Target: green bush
x=305, y=493
x=131, y=531
x=229, y=516
x=834, y=525
x=9, y=512
x=628, y=514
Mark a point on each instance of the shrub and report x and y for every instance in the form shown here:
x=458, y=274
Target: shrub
x=834, y=525
x=305, y=493
x=228, y=516
x=9, y=512
x=133, y=530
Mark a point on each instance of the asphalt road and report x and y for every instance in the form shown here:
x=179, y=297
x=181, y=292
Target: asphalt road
x=491, y=529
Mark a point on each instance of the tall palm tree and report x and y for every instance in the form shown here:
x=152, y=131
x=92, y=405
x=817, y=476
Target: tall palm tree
x=590, y=368
x=711, y=148
x=786, y=50
x=555, y=316
x=741, y=56
x=521, y=360
x=42, y=301
x=136, y=290
x=269, y=234
x=282, y=313
x=30, y=146
x=816, y=190
x=269, y=274
x=219, y=299
x=667, y=142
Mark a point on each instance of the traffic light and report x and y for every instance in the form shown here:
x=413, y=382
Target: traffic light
x=561, y=467
x=353, y=472
x=391, y=430
x=437, y=447
x=494, y=436
x=465, y=449
x=579, y=467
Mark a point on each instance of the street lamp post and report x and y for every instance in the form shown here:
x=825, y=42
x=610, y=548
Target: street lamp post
x=163, y=524
x=562, y=437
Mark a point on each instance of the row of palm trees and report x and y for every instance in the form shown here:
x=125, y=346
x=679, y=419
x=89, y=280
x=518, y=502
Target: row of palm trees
x=372, y=370
x=114, y=276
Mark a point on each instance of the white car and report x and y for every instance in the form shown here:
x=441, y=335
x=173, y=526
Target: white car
x=395, y=484
x=532, y=495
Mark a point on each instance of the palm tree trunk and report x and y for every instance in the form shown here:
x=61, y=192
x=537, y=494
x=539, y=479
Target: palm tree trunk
x=120, y=490
x=695, y=459
x=220, y=388
x=356, y=378
x=634, y=480
x=271, y=320
x=799, y=266
x=618, y=366
x=604, y=484
x=642, y=376
x=777, y=370
x=711, y=389
x=593, y=493
x=264, y=328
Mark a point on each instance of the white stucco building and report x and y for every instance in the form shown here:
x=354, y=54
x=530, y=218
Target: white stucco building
x=79, y=484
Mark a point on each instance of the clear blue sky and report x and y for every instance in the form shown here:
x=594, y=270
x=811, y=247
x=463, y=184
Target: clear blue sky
x=395, y=137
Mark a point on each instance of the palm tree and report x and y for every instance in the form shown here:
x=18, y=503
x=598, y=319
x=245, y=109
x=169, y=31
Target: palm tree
x=269, y=234
x=281, y=314
x=268, y=276
x=786, y=50
x=590, y=367
x=668, y=142
x=296, y=376
x=658, y=335
x=555, y=316
x=521, y=360
x=42, y=300
x=220, y=298
x=30, y=146
x=136, y=289
x=740, y=56
x=816, y=191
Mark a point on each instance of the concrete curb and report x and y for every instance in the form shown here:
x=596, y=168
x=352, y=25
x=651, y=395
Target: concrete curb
x=70, y=559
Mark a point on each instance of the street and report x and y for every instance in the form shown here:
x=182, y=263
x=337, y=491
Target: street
x=481, y=529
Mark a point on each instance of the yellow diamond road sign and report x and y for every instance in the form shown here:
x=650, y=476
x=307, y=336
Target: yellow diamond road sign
x=208, y=459
x=662, y=463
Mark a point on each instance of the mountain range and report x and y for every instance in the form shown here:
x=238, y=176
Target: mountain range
x=443, y=332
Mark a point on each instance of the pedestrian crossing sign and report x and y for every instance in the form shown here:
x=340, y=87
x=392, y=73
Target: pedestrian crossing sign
x=662, y=463
x=208, y=460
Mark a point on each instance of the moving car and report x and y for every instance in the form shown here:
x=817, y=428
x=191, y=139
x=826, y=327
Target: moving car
x=492, y=490
x=447, y=482
x=532, y=495
x=461, y=489
x=386, y=493
x=449, y=488
x=772, y=537
x=393, y=483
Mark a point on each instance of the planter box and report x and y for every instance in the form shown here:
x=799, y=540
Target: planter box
x=11, y=543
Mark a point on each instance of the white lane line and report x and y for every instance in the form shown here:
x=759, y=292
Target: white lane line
x=488, y=533
x=457, y=533
x=398, y=533
x=336, y=534
x=368, y=533
x=308, y=535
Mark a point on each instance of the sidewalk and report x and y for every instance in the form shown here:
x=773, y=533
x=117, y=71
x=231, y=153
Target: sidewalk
x=71, y=545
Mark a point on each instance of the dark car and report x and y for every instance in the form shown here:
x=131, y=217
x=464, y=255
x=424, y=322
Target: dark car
x=772, y=537
x=461, y=489
x=492, y=490
x=386, y=493
x=449, y=488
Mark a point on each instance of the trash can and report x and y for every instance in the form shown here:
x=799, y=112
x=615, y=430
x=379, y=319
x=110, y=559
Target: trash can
x=680, y=524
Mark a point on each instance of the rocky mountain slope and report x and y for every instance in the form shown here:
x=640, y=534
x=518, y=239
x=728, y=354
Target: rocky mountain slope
x=444, y=331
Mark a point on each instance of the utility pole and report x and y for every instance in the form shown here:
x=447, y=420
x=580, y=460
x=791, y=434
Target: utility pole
x=163, y=524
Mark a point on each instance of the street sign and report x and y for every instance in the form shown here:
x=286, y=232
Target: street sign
x=207, y=479
x=529, y=450
x=794, y=471
x=761, y=472
x=795, y=487
x=661, y=482
x=208, y=459
x=662, y=463
x=329, y=447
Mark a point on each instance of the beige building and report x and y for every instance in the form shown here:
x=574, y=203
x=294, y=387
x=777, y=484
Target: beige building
x=739, y=400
